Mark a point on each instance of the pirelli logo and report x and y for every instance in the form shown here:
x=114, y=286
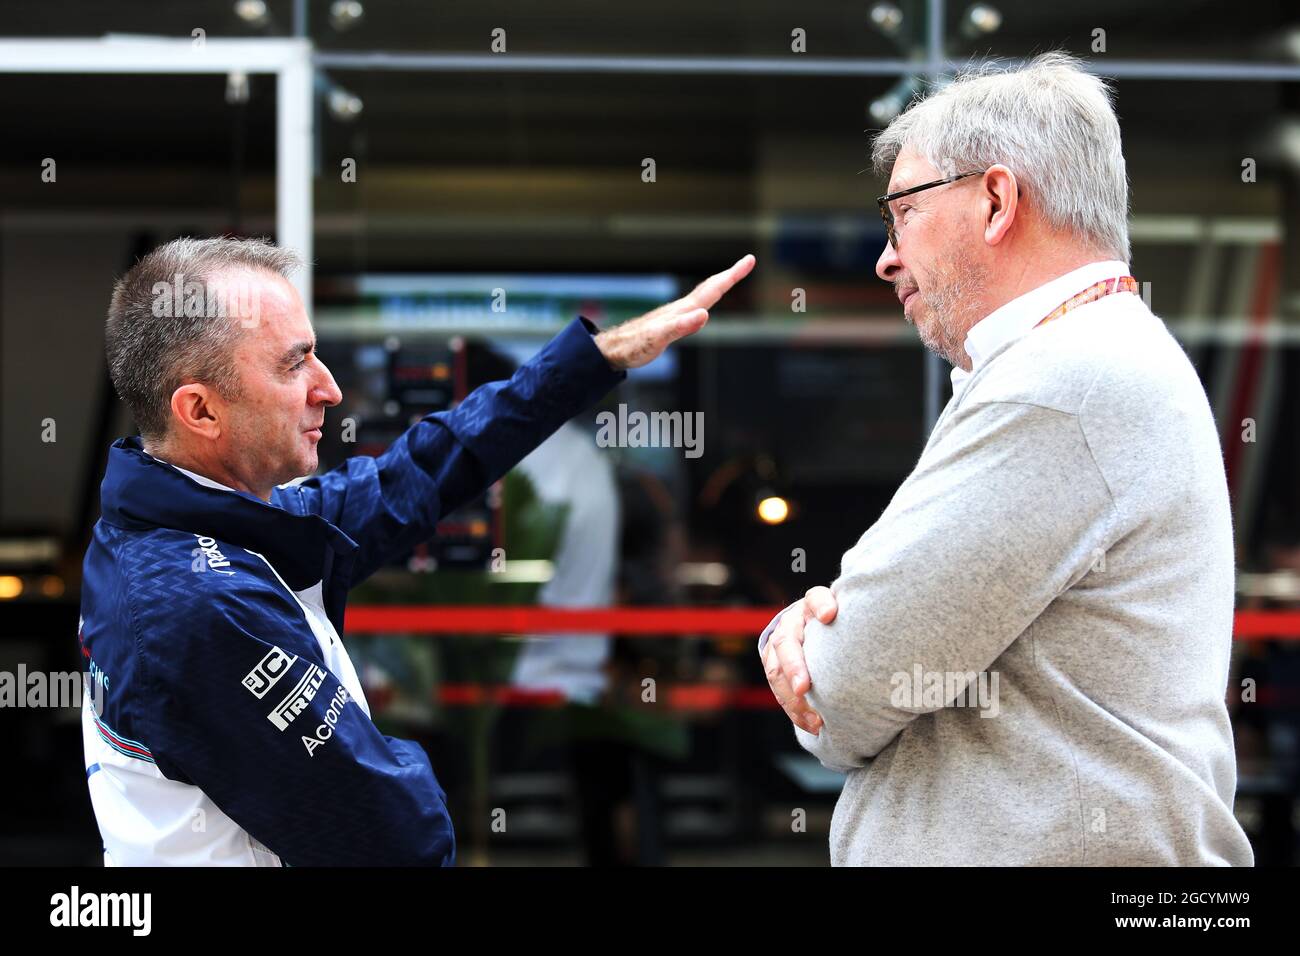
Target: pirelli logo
x=268, y=672
x=298, y=699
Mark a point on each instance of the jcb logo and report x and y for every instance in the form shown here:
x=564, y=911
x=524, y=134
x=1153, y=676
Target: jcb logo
x=271, y=668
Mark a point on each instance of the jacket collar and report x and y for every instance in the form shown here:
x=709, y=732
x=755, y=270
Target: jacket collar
x=140, y=492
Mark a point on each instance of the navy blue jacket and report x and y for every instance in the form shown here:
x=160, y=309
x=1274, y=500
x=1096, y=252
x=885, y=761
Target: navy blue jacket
x=231, y=727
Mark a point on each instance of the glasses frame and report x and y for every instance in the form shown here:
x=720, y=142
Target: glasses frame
x=886, y=199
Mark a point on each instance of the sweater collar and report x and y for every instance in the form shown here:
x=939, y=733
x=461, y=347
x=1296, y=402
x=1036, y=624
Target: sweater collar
x=1009, y=322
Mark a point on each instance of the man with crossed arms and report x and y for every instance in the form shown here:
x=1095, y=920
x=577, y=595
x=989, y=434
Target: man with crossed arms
x=1065, y=539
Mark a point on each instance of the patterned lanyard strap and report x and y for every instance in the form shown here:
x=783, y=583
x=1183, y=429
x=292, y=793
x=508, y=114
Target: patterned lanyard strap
x=1092, y=294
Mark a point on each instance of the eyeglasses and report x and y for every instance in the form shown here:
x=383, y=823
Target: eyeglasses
x=884, y=201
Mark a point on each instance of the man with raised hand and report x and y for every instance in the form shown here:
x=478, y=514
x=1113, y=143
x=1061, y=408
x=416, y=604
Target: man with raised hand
x=232, y=729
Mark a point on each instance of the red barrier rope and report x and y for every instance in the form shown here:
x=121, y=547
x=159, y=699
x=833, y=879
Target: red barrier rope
x=633, y=621
x=690, y=698
x=700, y=698
x=657, y=621
x=1266, y=625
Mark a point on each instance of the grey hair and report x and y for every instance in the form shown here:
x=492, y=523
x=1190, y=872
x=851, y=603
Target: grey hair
x=153, y=348
x=1051, y=123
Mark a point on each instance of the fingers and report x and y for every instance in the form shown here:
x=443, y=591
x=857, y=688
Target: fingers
x=707, y=293
x=795, y=707
x=776, y=678
x=789, y=653
x=787, y=644
x=784, y=662
x=820, y=603
x=641, y=340
x=688, y=324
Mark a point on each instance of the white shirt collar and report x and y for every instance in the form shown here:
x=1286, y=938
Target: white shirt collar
x=1017, y=317
x=201, y=479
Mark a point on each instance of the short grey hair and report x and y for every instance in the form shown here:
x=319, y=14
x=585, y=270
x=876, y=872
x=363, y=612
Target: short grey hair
x=1050, y=122
x=152, y=351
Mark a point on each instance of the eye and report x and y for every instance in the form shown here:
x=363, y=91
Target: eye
x=903, y=211
x=298, y=366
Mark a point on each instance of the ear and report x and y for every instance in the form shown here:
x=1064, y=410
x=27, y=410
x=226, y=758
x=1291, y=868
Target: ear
x=999, y=202
x=197, y=411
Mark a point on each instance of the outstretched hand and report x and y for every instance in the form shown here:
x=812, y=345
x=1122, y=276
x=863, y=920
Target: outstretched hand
x=641, y=340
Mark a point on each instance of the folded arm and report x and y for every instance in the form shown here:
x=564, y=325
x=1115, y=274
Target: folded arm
x=1002, y=515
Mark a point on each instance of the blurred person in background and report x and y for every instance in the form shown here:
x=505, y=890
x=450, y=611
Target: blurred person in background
x=570, y=471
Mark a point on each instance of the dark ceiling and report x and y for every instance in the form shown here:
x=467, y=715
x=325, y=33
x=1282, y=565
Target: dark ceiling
x=563, y=119
x=1214, y=29
x=132, y=141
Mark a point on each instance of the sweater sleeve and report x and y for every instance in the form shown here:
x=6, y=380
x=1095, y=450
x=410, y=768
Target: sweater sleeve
x=1002, y=514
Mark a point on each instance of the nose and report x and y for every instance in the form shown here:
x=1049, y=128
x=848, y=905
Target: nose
x=325, y=390
x=888, y=264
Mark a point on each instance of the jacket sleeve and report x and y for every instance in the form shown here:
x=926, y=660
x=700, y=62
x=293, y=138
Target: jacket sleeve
x=278, y=744
x=1000, y=517
x=391, y=503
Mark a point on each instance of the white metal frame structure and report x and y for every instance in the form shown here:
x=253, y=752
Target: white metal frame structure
x=289, y=60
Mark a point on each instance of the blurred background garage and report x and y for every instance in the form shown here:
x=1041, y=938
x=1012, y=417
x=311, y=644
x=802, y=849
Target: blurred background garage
x=466, y=178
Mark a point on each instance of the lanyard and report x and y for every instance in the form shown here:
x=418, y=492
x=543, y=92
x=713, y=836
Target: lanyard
x=1091, y=294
